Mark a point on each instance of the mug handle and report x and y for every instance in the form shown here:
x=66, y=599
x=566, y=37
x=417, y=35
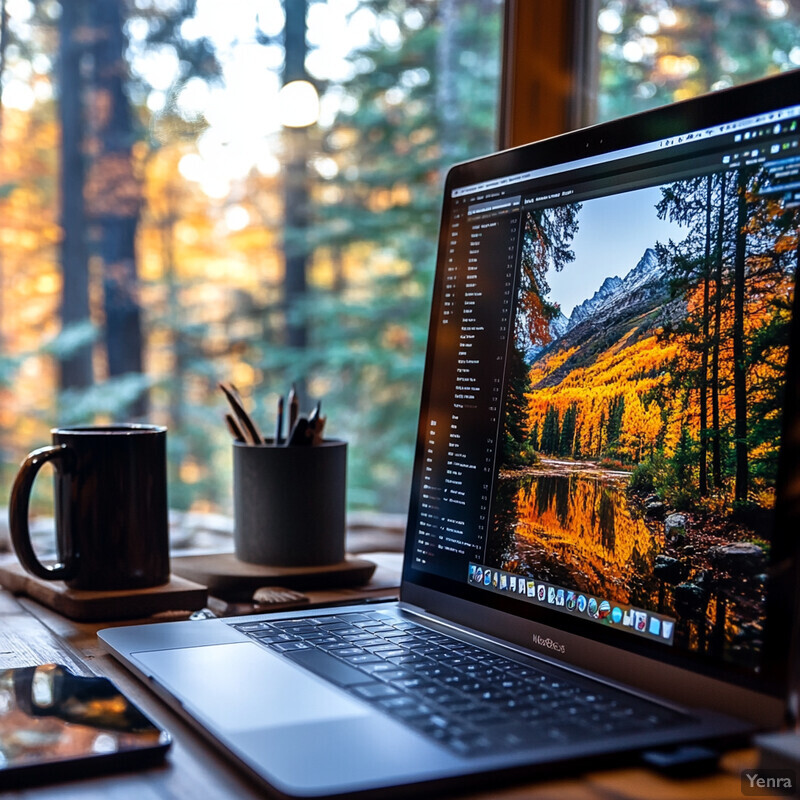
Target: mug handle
x=18, y=513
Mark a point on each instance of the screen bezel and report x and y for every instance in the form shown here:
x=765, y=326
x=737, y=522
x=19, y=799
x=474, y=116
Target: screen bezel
x=448, y=597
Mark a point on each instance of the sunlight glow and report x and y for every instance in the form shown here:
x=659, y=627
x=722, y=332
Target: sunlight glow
x=632, y=52
x=777, y=8
x=325, y=167
x=299, y=104
x=667, y=17
x=609, y=21
x=17, y=94
x=237, y=218
x=193, y=98
x=215, y=186
x=20, y=10
x=191, y=167
x=268, y=165
x=649, y=24
x=160, y=67
x=389, y=33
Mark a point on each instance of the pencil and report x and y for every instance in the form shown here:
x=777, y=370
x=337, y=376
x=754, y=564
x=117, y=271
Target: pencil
x=279, y=422
x=249, y=430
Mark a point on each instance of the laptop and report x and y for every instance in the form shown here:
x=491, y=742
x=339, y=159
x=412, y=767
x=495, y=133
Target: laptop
x=600, y=555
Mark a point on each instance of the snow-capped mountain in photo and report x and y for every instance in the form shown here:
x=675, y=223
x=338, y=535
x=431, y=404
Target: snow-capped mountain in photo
x=615, y=290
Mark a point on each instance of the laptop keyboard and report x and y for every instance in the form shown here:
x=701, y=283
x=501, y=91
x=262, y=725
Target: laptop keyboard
x=467, y=698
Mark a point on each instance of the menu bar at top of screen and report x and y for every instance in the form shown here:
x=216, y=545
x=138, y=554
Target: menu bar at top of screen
x=705, y=134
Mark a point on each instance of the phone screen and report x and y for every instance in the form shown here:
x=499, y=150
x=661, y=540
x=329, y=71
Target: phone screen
x=73, y=725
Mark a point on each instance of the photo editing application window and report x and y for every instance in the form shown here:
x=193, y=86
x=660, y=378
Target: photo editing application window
x=607, y=447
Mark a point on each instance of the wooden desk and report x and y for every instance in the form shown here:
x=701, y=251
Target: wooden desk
x=31, y=634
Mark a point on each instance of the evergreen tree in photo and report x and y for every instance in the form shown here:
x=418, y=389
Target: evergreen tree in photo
x=680, y=488
x=567, y=435
x=773, y=249
x=533, y=439
x=517, y=448
x=547, y=236
x=550, y=432
x=690, y=266
x=616, y=411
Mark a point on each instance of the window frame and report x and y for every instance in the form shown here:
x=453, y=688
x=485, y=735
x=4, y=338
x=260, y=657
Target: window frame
x=549, y=70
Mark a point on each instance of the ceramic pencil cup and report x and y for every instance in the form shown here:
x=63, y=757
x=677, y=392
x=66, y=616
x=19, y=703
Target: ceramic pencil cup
x=289, y=503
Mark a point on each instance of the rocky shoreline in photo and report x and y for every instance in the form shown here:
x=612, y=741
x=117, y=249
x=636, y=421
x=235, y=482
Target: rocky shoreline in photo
x=711, y=572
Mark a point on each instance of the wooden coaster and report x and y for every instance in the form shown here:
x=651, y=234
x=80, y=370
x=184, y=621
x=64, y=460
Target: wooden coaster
x=231, y=579
x=178, y=594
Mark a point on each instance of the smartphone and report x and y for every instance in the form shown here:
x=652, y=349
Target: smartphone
x=55, y=725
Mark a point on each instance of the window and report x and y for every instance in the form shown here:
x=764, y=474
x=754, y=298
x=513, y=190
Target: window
x=659, y=51
x=164, y=225
x=202, y=236
x=572, y=64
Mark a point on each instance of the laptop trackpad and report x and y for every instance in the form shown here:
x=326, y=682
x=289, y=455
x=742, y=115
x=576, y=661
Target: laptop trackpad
x=240, y=687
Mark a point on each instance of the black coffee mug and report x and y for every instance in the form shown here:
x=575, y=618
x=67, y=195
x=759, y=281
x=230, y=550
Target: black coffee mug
x=112, y=522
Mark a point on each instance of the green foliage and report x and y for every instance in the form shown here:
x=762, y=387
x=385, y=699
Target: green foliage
x=567, y=437
x=652, y=475
x=655, y=53
x=614, y=429
x=71, y=339
x=8, y=369
x=418, y=109
x=678, y=487
x=673, y=479
x=551, y=435
x=644, y=476
x=534, y=437
x=518, y=454
x=110, y=398
x=516, y=445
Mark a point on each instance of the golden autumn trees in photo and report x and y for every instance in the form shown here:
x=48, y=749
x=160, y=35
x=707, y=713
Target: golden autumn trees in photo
x=735, y=273
x=680, y=377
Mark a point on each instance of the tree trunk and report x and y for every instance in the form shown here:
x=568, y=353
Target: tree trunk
x=739, y=365
x=116, y=201
x=296, y=200
x=716, y=445
x=177, y=398
x=704, y=345
x=76, y=369
x=446, y=77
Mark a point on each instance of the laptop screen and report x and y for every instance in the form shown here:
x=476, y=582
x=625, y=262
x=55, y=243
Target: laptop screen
x=603, y=402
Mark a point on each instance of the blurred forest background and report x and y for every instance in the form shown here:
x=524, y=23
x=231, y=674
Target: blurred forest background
x=163, y=227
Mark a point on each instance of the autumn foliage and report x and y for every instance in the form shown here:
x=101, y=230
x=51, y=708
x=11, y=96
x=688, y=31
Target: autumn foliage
x=684, y=382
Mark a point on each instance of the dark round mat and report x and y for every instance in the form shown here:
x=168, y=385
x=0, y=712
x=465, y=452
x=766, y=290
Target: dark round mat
x=227, y=577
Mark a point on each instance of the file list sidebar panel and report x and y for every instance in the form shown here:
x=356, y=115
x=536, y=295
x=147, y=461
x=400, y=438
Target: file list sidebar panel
x=462, y=430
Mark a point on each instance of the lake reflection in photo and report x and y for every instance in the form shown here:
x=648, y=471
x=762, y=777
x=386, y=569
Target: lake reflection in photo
x=576, y=529
x=573, y=524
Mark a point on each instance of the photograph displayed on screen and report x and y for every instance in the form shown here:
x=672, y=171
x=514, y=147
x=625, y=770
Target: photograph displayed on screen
x=643, y=414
